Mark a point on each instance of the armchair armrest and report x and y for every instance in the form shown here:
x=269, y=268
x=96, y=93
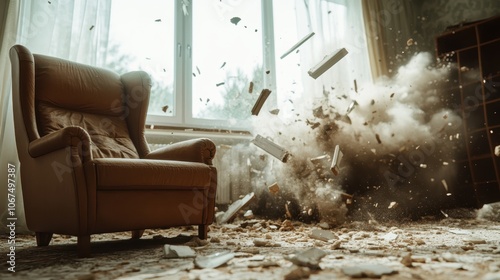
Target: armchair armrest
x=72, y=136
x=193, y=150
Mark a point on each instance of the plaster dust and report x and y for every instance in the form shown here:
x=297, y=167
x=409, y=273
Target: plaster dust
x=388, y=131
x=429, y=249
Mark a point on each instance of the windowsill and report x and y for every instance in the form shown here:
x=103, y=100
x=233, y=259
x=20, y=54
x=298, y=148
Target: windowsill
x=166, y=135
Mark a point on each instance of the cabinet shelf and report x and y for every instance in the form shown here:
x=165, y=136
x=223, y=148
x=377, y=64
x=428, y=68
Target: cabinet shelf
x=473, y=51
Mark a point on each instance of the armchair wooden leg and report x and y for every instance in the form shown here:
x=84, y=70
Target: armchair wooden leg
x=43, y=238
x=83, y=246
x=203, y=231
x=137, y=234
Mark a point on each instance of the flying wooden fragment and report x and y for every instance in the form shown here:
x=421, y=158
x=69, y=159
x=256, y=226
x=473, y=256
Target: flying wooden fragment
x=264, y=94
x=271, y=147
x=337, y=157
x=327, y=62
x=298, y=44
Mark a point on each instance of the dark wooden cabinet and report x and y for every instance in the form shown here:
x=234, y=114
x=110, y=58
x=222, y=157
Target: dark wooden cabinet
x=473, y=51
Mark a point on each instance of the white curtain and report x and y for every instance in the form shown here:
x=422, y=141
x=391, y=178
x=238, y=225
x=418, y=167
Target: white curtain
x=72, y=29
x=337, y=24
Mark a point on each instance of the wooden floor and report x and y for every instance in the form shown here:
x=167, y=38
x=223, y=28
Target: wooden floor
x=263, y=249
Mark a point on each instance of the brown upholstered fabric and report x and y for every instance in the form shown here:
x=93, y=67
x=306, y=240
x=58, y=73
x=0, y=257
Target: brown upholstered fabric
x=72, y=94
x=124, y=174
x=85, y=163
x=109, y=134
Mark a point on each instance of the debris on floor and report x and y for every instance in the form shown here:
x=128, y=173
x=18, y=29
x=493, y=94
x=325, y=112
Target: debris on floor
x=309, y=258
x=178, y=251
x=368, y=270
x=275, y=249
x=222, y=217
x=213, y=260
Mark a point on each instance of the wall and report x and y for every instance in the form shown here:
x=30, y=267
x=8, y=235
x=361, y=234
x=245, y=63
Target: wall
x=439, y=14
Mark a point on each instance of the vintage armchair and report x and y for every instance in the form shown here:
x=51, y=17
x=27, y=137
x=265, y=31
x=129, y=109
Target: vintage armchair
x=86, y=167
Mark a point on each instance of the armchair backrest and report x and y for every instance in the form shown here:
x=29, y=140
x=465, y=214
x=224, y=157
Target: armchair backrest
x=56, y=93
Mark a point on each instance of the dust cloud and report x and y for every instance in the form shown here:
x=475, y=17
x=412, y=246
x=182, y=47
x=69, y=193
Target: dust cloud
x=399, y=137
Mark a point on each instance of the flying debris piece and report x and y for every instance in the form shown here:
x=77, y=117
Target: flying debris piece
x=275, y=111
x=445, y=185
x=445, y=163
x=378, y=138
x=409, y=42
x=274, y=188
x=92, y=27
x=355, y=86
x=223, y=64
x=164, y=108
x=49, y=2
x=270, y=147
x=327, y=62
x=347, y=198
x=298, y=44
x=250, y=87
x=318, y=112
x=235, y=20
x=158, y=20
x=351, y=106
x=372, y=102
x=497, y=150
x=393, y=204
x=267, y=72
x=220, y=84
x=319, y=160
x=346, y=119
x=313, y=124
x=422, y=165
x=264, y=94
x=198, y=69
x=392, y=95
x=194, y=75
x=337, y=157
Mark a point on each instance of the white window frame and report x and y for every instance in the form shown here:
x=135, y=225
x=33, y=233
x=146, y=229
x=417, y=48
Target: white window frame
x=183, y=30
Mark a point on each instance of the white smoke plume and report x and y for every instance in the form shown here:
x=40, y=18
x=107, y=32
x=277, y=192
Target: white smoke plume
x=386, y=122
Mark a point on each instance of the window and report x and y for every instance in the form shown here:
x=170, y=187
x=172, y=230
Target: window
x=203, y=55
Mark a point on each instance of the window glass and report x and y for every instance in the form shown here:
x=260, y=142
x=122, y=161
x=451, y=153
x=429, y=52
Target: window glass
x=289, y=69
x=226, y=57
x=141, y=38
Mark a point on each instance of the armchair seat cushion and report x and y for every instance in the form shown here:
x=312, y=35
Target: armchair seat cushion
x=148, y=174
